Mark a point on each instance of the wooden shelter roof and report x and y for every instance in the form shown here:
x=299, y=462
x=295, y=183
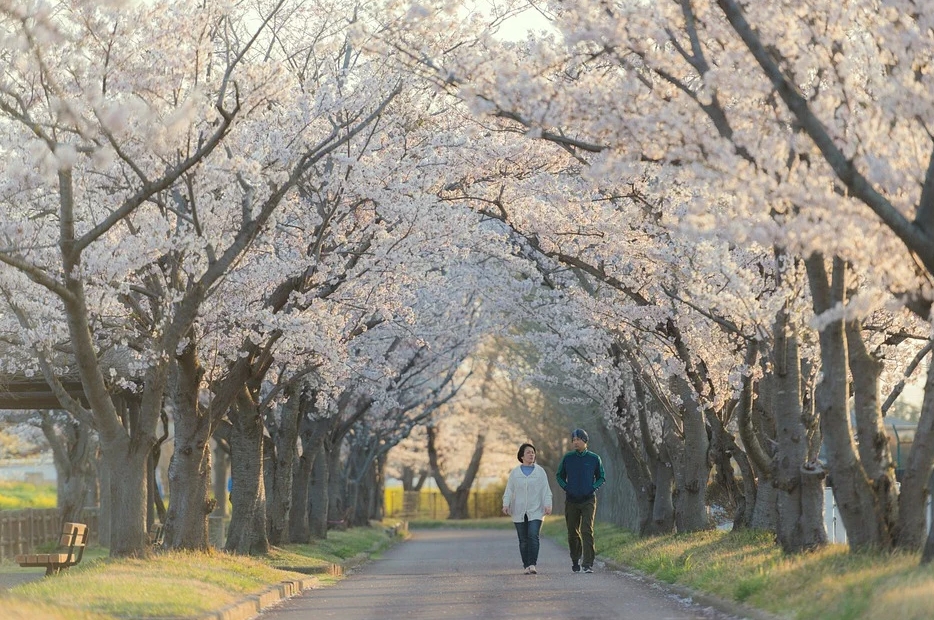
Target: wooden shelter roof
x=19, y=391
x=34, y=393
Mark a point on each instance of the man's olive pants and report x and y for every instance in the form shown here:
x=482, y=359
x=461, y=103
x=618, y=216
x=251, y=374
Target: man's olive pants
x=579, y=519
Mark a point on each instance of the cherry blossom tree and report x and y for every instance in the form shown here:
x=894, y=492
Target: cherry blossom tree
x=112, y=172
x=696, y=167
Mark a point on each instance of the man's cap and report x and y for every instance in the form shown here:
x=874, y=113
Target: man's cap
x=579, y=432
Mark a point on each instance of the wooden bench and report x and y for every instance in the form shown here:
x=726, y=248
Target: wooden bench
x=71, y=547
x=157, y=535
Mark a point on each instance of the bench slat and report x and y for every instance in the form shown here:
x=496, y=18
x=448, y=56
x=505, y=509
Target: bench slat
x=72, y=541
x=79, y=528
x=41, y=559
x=65, y=541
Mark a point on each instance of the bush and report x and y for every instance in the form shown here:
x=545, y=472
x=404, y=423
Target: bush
x=19, y=495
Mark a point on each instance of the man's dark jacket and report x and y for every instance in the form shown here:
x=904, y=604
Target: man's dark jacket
x=580, y=474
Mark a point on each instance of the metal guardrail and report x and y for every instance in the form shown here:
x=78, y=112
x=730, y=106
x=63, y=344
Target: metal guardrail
x=833, y=522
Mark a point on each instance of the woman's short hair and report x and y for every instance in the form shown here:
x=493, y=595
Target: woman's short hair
x=522, y=450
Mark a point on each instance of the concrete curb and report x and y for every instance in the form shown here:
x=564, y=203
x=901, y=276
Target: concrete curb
x=733, y=608
x=250, y=606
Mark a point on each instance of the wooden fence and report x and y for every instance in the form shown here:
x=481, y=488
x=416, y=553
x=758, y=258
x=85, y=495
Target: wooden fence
x=23, y=531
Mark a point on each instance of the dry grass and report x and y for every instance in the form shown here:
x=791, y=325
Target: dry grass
x=830, y=584
x=176, y=583
x=170, y=584
x=493, y=523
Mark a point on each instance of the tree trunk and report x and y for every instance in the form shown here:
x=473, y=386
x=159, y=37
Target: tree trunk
x=318, y=494
x=336, y=485
x=126, y=427
x=642, y=484
x=724, y=489
x=73, y=445
x=378, y=489
x=413, y=480
x=298, y=516
x=220, y=473
x=874, y=452
x=800, y=501
x=358, y=479
x=359, y=498
x=640, y=480
x=693, y=467
x=618, y=500
x=458, y=507
x=928, y=554
x=125, y=462
x=765, y=512
x=312, y=434
x=284, y=437
x=663, y=507
x=757, y=431
x=106, y=508
x=638, y=455
x=724, y=450
x=247, y=534
x=186, y=524
x=455, y=498
x=851, y=487
x=155, y=505
x=914, y=489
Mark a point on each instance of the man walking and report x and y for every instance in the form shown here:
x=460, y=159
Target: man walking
x=580, y=474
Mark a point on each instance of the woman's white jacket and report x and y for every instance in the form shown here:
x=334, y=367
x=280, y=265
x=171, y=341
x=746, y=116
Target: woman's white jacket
x=527, y=495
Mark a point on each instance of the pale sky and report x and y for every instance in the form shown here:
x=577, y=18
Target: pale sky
x=517, y=27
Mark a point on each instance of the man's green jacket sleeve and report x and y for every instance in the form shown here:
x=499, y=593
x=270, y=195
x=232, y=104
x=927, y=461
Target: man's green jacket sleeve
x=601, y=475
x=561, y=474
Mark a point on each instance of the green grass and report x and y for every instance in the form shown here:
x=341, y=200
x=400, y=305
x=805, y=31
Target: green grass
x=496, y=523
x=176, y=583
x=19, y=495
x=336, y=549
x=170, y=584
x=830, y=584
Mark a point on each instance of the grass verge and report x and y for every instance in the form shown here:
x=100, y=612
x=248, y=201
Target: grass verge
x=496, y=523
x=176, y=584
x=747, y=567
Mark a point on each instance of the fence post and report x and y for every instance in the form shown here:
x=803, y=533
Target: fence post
x=31, y=530
x=21, y=531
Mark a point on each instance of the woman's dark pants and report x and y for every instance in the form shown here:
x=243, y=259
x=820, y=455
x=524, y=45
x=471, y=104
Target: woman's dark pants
x=528, y=540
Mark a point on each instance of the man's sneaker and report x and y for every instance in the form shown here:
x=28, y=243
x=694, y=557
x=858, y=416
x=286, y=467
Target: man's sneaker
x=533, y=570
x=588, y=569
x=528, y=570
x=576, y=568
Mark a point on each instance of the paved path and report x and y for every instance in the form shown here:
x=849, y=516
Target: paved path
x=10, y=578
x=455, y=574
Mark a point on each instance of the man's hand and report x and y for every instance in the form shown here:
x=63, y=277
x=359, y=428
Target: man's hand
x=505, y=510
x=548, y=510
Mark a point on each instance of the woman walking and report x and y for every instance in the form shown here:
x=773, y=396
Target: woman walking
x=527, y=499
